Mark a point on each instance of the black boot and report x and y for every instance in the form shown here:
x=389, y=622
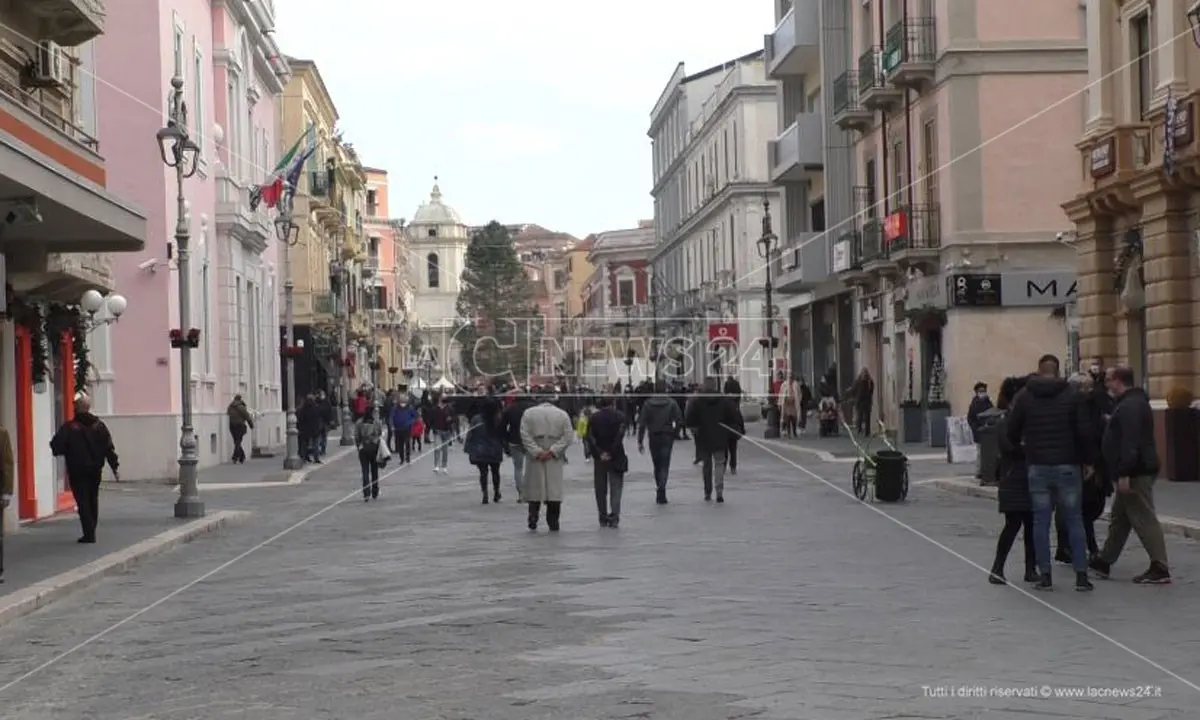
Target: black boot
x=996, y=576
x=495, y=491
x=483, y=487
x=535, y=511
x=661, y=497
x=553, y=510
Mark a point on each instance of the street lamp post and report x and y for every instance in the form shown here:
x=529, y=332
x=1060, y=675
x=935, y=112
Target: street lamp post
x=180, y=153
x=628, y=350
x=766, y=250
x=288, y=233
x=337, y=281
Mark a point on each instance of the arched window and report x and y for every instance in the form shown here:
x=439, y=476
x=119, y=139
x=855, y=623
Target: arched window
x=433, y=270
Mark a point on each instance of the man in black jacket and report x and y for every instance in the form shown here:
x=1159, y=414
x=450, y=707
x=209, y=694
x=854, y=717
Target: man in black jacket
x=510, y=429
x=606, y=436
x=1050, y=423
x=660, y=418
x=1131, y=460
x=85, y=445
x=712, y=418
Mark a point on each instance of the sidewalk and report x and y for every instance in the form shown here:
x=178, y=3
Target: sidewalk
x=841, y=448
x=43, y=561
x=1178, y=504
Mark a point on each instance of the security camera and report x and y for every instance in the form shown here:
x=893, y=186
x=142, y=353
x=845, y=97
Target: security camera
x=150, y=265
x=23, y=212
x=1065, y=237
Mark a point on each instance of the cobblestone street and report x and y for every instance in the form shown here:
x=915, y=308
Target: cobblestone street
x=790, y=601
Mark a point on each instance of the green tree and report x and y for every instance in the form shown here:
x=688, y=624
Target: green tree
x=498, y=334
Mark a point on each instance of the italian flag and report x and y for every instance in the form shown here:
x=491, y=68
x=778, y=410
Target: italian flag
x=271, y=192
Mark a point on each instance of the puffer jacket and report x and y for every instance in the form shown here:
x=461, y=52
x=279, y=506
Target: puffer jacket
x=484, y=444
x=1052, y=424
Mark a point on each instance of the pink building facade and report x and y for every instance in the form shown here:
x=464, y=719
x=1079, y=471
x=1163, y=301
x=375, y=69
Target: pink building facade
x=962, y=119
x=232, y=84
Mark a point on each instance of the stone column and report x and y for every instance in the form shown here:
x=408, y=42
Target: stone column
x=1167, y=266
x=1101, y=23
x=1171, y=56
x=1096, y=302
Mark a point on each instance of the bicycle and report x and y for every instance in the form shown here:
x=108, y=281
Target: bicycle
x=866, y=467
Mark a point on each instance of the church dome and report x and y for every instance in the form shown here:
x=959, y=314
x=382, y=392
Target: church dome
x=435, y=212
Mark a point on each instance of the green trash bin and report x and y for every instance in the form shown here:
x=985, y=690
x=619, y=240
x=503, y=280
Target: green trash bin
x=891, y=475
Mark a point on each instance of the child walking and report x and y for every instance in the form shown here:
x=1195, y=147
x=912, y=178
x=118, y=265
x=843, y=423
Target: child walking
x=418, y=433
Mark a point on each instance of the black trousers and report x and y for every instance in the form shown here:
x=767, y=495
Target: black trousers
x=238, y=432
x=731, y=456
x=1091, y=513
x=1014, y=523
x=402, y=445
x=85, y=486
x=368, y=461
x=553, y=511
x=484, y=469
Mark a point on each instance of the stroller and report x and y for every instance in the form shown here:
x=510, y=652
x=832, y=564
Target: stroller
x=827, y=417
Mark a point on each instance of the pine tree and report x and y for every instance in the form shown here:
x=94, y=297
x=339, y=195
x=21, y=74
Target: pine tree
x=499, y=336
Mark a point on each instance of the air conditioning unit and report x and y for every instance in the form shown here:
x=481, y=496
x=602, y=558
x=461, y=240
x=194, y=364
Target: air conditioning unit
x=50, y=65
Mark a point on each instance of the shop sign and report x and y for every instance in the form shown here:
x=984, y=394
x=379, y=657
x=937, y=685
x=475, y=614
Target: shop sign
x=927, y=291
x=841, y=256
x=1104, y=158
x=1038, y=288
x=975, y=291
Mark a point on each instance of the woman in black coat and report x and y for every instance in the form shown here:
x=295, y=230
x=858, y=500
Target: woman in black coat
x=484, y=446
x=1013, y=498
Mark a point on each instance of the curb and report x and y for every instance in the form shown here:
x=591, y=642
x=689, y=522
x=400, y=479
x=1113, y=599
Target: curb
x=26, y=600
x=1183, y=527
x=829, y=457
x=295, y=477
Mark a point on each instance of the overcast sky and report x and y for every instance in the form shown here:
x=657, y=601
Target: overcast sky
x=528, y=110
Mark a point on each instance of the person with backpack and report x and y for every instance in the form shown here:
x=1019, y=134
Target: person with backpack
x=368, y=434
x=85, y=445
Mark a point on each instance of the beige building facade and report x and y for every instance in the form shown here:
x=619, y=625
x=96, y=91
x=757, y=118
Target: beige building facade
x=1136, y=212
x=966, y=113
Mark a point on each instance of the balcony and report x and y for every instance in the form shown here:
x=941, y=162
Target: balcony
x=794, y=48
x=804, y=263
x=913, y=235
x=910, y=53
x=1112, y=160
x=848, y=113
x=323, y=304
x=234, y=216
x=875, y=92
x=67, y=22
x=845, y=258
x=386, y=318
x=874, y=255
x=370, y=266
x=63, y=277
x=797, y=155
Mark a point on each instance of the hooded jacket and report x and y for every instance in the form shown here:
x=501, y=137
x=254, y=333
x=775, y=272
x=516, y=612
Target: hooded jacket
x=85, y=445
x=711, y=418
x=1051, y=423
x=1128, y=445
x=659, y=416
x=403, y=417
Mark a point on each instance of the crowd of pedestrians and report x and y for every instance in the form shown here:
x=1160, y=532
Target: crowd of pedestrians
x=1066, y=446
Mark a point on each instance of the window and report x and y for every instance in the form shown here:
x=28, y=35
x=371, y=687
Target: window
x=371, y=203
x=816, y=213
x=178, y=46
x=625, y=297
x=233, y=95
x=867, y=27
x=205, y=329
x=930, y=161
x=1142, y=49
x=198, y=129
x=433, y=270
x=432, y=232
x=869, y=171
x=899, y=163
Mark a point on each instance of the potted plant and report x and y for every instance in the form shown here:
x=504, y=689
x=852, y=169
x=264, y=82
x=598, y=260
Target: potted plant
x=1182, y=436
x=912, y=417
x=937, y=409
x=926, y=318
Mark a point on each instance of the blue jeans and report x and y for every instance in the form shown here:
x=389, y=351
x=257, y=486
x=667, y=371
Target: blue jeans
x=441, y=452
x=518, y=460
x=1060, y=485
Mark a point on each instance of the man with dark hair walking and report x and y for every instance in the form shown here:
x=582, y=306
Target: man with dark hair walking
x=1051, y=425
x=85, y=445
x=660, y=418
x=606, y=436
x=712, y=418
x=1131, y=459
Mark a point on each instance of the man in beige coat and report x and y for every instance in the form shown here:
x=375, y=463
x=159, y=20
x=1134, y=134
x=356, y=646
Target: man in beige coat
x=546, y=433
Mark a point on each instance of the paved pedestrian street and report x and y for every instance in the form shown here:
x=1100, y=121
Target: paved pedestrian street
x=790, y=601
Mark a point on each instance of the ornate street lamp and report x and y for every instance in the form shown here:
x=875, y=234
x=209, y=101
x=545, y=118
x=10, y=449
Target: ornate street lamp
x=288, y=233
x=92, y=302
x=766, y=250
x=339, y=281
x=179, y=152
